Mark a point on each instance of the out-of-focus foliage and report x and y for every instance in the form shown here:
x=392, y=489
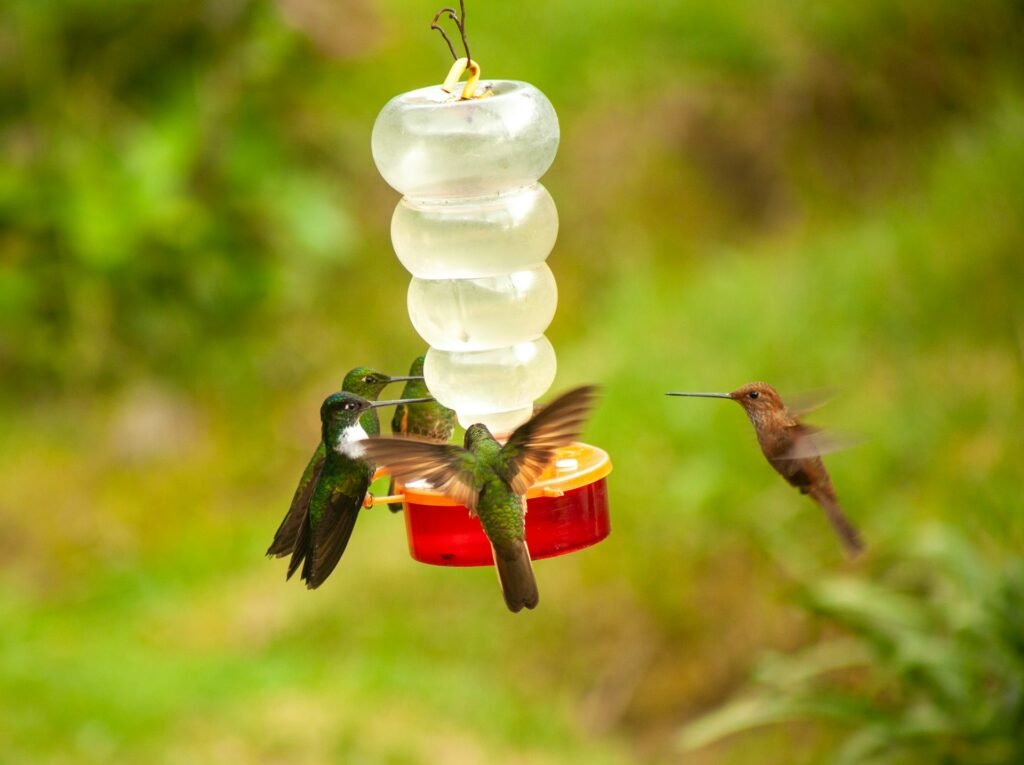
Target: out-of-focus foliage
x=194, y=249
x=940, y=640
x=164, y=178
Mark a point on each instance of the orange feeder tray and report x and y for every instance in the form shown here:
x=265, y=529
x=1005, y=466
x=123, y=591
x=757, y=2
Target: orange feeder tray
x=567, y=510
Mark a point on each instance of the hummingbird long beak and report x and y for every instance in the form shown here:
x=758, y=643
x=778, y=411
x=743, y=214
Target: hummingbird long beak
x=403, y=379
x=702, y=395
x=396, y=402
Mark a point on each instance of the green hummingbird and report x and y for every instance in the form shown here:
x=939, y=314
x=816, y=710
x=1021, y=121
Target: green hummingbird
x=330, y=503
x=491, y=480
x=366, y=383
x=432, y=422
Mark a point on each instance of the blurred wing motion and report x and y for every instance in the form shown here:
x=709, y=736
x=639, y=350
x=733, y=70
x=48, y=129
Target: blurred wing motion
x=532, y=445
x=430, y=421
x=809, y=441
x=446, y=467
x=805, y=402
x=399, y=424
x=288, y=531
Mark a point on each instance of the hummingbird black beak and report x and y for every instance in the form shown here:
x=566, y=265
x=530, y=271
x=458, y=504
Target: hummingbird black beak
x=396, y=402
x=403, y=379
x=702, y=395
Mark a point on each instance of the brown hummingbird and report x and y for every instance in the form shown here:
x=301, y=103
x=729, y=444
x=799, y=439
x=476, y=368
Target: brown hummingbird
x=794, y=450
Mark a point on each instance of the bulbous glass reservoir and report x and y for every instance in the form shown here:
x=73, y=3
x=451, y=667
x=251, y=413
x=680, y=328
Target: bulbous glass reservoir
x=474, y=229
x=483, y=314
x=475, y=236
x=428, y=143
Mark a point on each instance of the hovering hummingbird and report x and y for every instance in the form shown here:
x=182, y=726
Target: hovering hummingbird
x=432, y=422
x=366, y=383
x=794, y=450
x=491, y=480
x=329, y=505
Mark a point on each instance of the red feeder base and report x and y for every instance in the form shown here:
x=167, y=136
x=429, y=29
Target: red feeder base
x=567, y=510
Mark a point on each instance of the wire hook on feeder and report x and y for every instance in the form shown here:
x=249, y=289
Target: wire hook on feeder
x=461, y=64
x=460, y=22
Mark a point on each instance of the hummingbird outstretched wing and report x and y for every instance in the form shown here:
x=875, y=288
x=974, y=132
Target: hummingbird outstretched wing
x=532, y=445
x=805, y=402
x=446, y=467
x=300, y=545
x=399, y=425
x=288, y=531
x=809, y=441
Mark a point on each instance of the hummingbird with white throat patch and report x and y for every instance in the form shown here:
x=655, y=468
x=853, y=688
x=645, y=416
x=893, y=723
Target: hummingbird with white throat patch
x=794, y=450
x=330, y=503
x=491, y=480
x=366, y=383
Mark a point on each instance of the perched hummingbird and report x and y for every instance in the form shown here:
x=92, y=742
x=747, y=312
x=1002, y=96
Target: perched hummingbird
x=491, y=480
x=369, y=383
x=432, y=422
x=329, y=505
x=794, y=450
x=366, y=383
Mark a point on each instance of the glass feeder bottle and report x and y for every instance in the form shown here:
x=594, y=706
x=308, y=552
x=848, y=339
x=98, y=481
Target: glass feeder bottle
x=474, y=229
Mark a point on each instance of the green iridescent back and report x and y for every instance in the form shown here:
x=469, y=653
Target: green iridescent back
x=431, y=420
x=499, y=508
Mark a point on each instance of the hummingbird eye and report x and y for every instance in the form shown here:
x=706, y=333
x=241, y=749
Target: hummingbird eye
x=753, y=394
x=349, y=406
x=368, y=379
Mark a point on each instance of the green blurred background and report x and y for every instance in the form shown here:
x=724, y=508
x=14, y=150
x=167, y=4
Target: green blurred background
x=194, y=247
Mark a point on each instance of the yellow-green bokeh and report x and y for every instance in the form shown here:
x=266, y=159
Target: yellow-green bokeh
x=194, y=249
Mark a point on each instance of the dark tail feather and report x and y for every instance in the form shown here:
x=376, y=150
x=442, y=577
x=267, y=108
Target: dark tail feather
x=847, y=532
x=515, y=573
x=329, y=545
x=284, y=539
x=395, y=507
x=301, y=550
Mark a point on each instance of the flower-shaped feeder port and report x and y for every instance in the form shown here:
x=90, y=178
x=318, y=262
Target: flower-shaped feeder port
x=567, y=510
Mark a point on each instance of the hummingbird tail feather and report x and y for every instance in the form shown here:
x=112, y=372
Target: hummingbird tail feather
x=848, y=534
x=329, y=545
x=300, y=551
x=515, y=573
x=395, y=507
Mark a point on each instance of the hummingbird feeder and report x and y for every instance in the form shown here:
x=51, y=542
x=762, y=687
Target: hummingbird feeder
x=474, y=228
